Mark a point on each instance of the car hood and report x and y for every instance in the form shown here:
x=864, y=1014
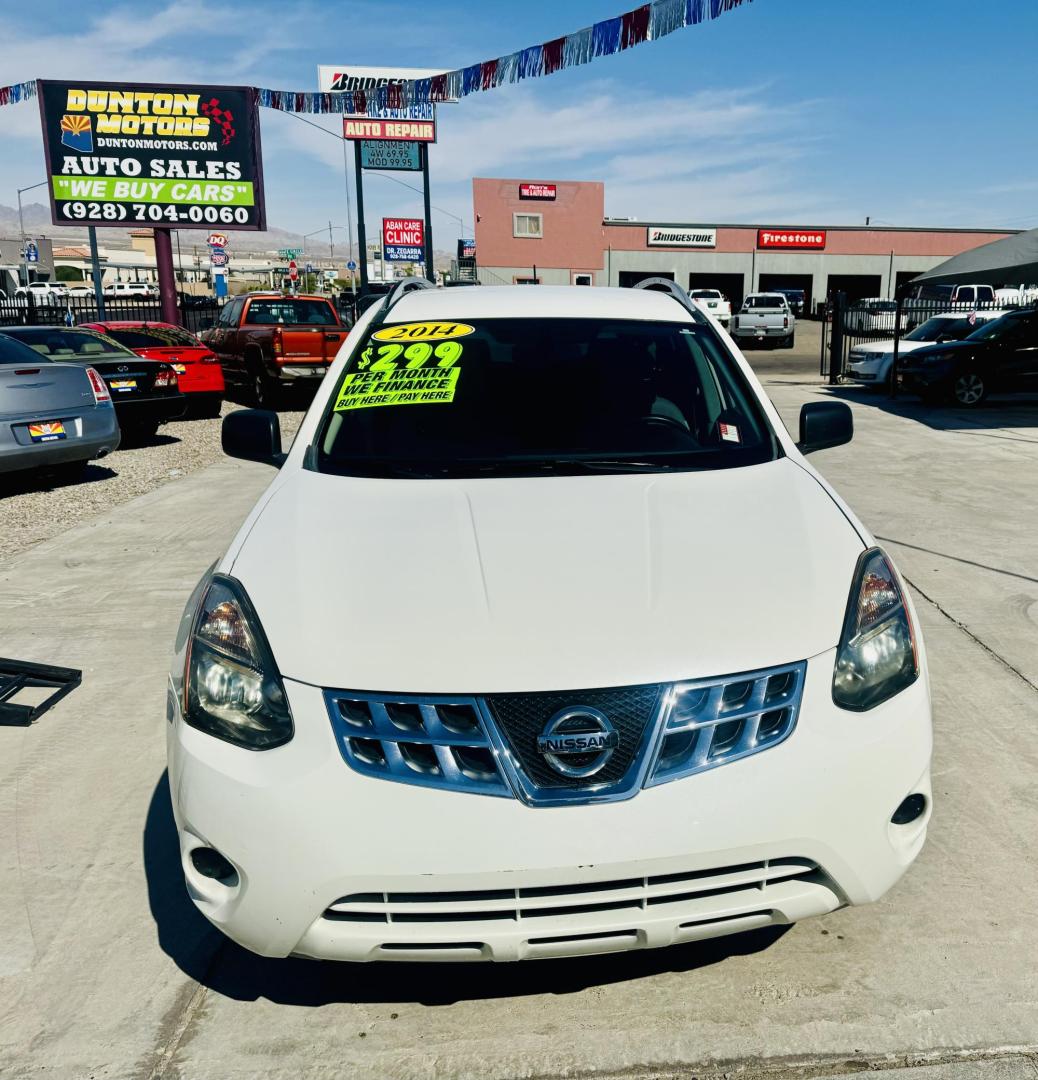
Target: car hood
x=886, y=348
x=494, y=585
x=958, y=348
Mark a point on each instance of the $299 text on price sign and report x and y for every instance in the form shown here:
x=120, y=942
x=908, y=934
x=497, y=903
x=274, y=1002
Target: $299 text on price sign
x=185, y=157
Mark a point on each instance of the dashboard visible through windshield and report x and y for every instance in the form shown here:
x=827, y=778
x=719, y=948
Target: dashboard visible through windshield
x=529, y=396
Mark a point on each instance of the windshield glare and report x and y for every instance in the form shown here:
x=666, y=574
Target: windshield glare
x=60, y=344
x=933, y=329
x=521, y=396
x=997, y=329
x=153, y=337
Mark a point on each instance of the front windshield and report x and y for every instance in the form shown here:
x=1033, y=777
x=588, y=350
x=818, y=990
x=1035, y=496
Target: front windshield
x=934, y=329
x=57, y=343
x=997, y=329
x=525, y=396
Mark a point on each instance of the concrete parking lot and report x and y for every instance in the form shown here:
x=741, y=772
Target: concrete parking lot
x=106, y=970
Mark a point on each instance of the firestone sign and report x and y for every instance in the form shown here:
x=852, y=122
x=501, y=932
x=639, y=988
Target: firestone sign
x=661, y=236
x=792, y=239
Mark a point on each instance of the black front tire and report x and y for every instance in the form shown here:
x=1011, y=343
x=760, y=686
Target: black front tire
x=969, y=388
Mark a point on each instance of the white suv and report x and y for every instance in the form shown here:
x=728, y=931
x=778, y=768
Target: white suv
x=131, y=288
x=544, y=640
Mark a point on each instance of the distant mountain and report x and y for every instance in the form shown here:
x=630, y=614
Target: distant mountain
x=36, y=217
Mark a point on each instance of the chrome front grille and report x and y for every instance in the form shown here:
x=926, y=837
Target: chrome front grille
x=436, y=742
x=570, y=899
x=710, y=722
x=488, y=745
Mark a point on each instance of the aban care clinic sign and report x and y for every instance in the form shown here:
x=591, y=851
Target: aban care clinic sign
x=123, y=154
x=662, y=236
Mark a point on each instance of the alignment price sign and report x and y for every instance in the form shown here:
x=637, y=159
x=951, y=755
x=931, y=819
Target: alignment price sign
x=124, y=154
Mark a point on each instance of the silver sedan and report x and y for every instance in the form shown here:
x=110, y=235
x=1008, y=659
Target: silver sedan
x=52, y=415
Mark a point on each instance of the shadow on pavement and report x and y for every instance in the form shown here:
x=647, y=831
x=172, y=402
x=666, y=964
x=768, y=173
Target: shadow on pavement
x=203, y=954
x=21, y=483
x=997, y=413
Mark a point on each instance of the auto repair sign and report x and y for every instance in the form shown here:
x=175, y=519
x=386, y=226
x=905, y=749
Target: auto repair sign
x=792, y=239
x=120, y=154
x=667, y=236
x=403, y=239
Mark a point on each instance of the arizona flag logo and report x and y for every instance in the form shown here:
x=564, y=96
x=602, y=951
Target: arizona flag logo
x=77, y=133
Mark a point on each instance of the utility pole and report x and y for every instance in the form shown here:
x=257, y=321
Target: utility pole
x=21, y=230
x=362, y=233
x=331, y=242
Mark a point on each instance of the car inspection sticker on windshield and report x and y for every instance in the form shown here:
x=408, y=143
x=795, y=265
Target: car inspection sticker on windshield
x=396, y=374
x=729, y=432
x=423, y=331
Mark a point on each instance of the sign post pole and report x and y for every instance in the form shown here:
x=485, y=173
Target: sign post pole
x=362, y=233
x=167, y=280
x=430, y=270
x=95, y=270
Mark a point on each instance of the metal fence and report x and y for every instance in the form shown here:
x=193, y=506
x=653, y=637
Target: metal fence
x=196, y=313
x=848, y=325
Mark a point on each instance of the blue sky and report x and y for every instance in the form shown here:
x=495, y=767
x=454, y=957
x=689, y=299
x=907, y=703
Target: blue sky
x=913, y=112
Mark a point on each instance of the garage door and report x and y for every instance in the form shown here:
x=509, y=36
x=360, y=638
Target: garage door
x=630, y=278
x=856, y=286
x=732, y=285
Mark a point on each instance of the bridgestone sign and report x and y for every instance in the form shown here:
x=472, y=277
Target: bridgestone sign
x=659, y=236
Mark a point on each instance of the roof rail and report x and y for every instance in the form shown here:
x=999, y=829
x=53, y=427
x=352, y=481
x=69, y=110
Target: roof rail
x=665, y=285
x=394, y=294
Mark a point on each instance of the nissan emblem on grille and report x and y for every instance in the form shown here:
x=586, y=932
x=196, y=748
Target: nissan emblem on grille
x=581, y=734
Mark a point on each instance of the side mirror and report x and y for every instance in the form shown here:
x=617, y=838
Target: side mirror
x=253, y=435
x=822, y=424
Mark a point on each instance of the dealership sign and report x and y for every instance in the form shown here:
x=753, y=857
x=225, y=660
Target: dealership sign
x=665, y=236
x=122, y=154
x=791, y=239
x=403, y=239
x=537, y=191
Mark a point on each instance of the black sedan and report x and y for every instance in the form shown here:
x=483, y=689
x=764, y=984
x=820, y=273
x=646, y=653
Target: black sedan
x=998, y=357
x=145, y=392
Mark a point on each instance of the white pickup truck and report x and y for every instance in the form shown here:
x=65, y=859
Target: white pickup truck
x=764, y=317
x=713, y=302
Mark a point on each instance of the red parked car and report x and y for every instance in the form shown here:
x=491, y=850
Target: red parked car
x=201, y=377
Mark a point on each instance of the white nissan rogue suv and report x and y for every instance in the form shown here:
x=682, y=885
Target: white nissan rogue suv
x=544, y=640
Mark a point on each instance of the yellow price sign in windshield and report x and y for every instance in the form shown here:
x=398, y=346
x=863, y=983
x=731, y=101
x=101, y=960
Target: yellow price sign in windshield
x=423, y=331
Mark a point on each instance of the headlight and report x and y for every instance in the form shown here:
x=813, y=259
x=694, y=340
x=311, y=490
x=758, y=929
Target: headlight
x=232, y=688
x=876, y=658
x=936, y=358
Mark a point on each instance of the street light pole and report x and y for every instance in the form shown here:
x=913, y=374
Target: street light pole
x=21, y=229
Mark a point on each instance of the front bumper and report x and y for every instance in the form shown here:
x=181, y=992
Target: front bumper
x=337, y=865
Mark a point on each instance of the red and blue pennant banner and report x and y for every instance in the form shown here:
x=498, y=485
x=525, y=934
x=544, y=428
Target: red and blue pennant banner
x=650, y=22
x=11, y=95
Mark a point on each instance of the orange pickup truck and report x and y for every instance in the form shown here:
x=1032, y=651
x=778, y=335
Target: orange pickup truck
x=274, y=343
